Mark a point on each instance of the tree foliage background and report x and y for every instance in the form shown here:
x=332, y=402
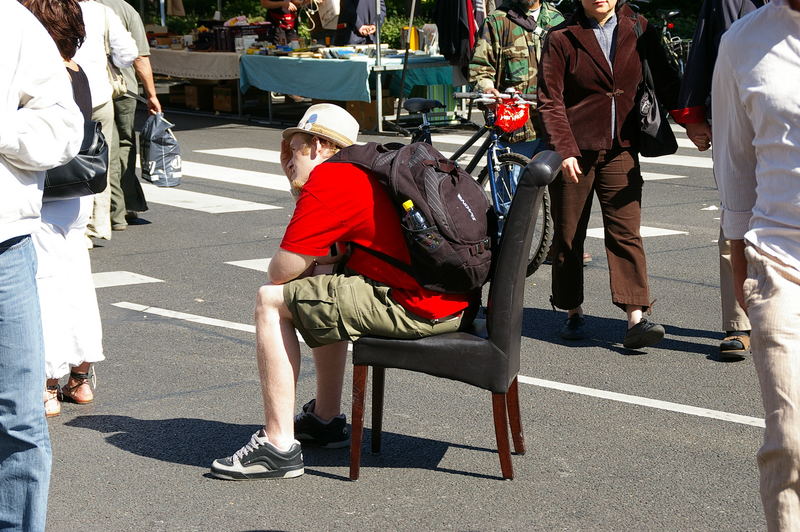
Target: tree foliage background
x=397, y=14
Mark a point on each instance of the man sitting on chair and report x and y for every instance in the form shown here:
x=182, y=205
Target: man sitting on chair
x=336, y=203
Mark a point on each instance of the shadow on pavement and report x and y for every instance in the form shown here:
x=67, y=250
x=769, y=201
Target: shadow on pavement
x=544, y=325
x=198, y=442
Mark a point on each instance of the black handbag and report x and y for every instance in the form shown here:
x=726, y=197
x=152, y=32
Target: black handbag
x=655, y=134
x=86, y=174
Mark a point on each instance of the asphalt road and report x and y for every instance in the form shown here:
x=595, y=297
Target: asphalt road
x=671, y=447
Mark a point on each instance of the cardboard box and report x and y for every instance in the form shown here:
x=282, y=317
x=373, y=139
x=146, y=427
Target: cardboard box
x=366, y=113
x=199, y=97
x=226, y=99
x=177, y=95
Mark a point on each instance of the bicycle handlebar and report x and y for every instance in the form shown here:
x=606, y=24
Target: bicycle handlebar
x=484, y=97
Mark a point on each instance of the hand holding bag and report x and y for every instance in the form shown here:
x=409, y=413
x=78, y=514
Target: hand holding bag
x=655, y=134
x=85, y=174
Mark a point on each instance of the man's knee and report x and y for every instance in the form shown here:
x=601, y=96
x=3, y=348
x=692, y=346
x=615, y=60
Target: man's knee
x=269, y=302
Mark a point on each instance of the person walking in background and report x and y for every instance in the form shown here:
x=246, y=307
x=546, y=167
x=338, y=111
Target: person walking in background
x=358, y=21
x=507, y=56
x=715, y=17
x=125, y=208
x=588, y=81
x=70, y=316
x=756, y=132
x=42, y=129
x=103, y=26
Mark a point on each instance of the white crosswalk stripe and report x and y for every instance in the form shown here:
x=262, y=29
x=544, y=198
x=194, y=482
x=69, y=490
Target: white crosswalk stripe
x=197, y=201
x=236, y=176
x=260, y=265
x=598, y=232
x=120, y=278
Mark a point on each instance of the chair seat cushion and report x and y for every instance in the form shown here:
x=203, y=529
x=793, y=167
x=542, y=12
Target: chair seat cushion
x=457, y=356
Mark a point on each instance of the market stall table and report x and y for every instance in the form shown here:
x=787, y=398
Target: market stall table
x=195, y=65
x=338, y=79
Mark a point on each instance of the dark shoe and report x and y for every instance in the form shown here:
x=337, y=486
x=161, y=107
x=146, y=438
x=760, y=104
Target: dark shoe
x=735, y=345
x=311, y=430
x=131, y=215
x=260, y=459
x=574, y=328
x=587, y=257
x=643, y=334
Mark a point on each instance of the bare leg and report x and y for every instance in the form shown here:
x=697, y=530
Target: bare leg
x=576, y=310
x=634, y=315
x=278, y=355
x=329, y=361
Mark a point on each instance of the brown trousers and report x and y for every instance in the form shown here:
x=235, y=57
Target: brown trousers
x=616, y=178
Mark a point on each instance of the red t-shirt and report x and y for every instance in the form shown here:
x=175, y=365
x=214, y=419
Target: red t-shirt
x=343, y=203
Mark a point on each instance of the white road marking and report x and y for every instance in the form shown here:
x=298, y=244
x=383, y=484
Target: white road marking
x=652, y=176
x=121, y=278
x=710, y=208
x=645, y=231
x=644, y=401
x=680, y=160
x=686, y=143
x=236, y=176
x=613, y=396
x=194, y=318
x=251, y=154
x=186, y=199
x=260, y=265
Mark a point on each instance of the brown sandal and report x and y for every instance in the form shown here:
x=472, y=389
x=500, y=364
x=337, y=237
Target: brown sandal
x=68, y=392
x=52, y=406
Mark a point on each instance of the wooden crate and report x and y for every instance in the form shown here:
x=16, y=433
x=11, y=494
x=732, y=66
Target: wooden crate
x=199, y=97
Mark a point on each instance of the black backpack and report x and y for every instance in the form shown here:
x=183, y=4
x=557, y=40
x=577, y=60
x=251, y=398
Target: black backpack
x=452, y=254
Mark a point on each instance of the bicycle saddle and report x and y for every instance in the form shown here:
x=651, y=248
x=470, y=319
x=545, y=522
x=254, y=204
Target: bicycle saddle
x=421, y=105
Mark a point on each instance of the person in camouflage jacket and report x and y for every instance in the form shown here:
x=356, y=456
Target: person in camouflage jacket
x=508, y=51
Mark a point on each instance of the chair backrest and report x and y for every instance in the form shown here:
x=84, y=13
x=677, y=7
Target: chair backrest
x=507, y=288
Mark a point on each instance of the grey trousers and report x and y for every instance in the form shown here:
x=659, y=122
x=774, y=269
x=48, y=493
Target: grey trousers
x=125, y=164
x=100, y=222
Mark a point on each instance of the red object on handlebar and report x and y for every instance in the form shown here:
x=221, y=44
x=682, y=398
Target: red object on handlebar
x=670, y=25
x=511, y=116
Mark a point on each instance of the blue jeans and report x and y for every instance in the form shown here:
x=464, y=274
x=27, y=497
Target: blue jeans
x=24, y=440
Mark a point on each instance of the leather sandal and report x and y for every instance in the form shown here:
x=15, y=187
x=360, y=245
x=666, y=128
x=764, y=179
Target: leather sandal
x=68, y=392
x=735, y=345
x=52, y=406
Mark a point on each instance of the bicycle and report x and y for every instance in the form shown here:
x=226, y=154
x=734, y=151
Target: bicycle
x=502, y=165
x=677, y=48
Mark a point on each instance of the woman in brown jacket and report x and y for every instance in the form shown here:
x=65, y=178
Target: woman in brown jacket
x=588, y=79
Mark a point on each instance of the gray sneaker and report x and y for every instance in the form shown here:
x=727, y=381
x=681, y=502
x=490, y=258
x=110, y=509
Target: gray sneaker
x=260, y=459
x=312, y=431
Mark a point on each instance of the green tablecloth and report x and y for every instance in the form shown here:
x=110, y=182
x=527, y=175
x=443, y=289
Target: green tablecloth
x=337, y=79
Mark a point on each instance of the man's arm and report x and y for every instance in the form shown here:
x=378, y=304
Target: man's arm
x=484, y=63
x=286, y=266
x=734, y=162
x=145, y=74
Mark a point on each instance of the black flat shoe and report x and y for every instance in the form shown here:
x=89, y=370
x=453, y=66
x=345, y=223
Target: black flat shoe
x=643, y=334
x=574, y=328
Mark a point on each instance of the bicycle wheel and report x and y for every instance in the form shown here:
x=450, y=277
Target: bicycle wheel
x=507, y=175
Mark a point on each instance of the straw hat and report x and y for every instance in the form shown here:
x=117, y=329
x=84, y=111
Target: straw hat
x=327, y=121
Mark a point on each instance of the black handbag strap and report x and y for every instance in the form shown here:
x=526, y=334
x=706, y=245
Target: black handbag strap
x=647, y=76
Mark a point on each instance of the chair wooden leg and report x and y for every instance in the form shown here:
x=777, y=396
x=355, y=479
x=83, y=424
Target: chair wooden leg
x=378, y=380
x=501, y=433
x=514, y=418
x=357, y=419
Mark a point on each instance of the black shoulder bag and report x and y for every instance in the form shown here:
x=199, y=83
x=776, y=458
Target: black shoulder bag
x=655, y=135
x=85, y=174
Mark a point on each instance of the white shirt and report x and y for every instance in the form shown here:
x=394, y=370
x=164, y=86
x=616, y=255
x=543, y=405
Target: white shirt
x=40, y=125
x=91, y=56
x=756, y=109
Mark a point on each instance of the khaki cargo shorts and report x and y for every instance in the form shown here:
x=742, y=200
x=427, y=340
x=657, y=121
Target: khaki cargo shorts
x=330, y=308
